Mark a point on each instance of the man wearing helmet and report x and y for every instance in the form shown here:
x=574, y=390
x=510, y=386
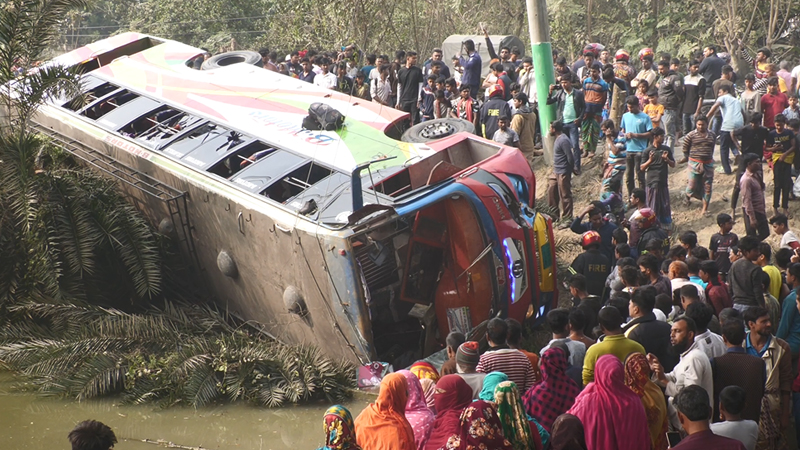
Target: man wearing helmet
x=596, y=223
x=622, y=69
x=647, y=223
x=493, y=110
x=647, y=73
x=591, y=263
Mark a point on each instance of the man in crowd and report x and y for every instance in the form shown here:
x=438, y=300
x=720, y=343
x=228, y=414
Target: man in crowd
x=409, y=87
x=703, y=314
x=558, y=321
x=778, y=359
x=637, y=128
x=599, y=224
x=781, y=143
x=753, y=137
x=694, y=368
x=694, y=89
x=307, y=74
x=732, y=401
x=738, y=368
x=615, y=343
x=671, y=94
x=693, y=415
x=436, y=56
x=467, y=359
x=592, y=264
x=648, y=265
x=500, y=358
x=773, y=103
x=753, y=204
x=595, y=91
x=732, y=119
x=570, y=107
x=559, y=183
x=472, y=68
x=698, y=146
x=325, y=79
x=711, y=66
x=578, y=324
x=645, y=329
x=745, y=276
x=491, y=111
x=452, y=341
x=92, y=435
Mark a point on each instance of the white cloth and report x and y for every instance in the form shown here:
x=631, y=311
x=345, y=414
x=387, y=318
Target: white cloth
x=678, y=283
x=693, y=368
x=326, y=80
x=475, y=381
x=380, y=89
x=713, y=344
x=660, y=315
x=577, y=350
x=796, y=76
x=788, y=238
x=744, y=431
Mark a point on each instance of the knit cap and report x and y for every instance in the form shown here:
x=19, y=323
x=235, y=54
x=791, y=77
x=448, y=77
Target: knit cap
x=467, y=354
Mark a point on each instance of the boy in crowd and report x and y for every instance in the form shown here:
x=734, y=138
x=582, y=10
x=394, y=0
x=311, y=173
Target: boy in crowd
x=793, y=110
x=780, y=225
x=753, y=203
x=781, y=142
x=699, y=146
x=773, y=103
x=427, y=97
x=750, y=98
x=732, y=119
x=653, y=109
x=721, y=242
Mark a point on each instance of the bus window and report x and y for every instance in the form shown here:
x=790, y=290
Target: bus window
x=122, y=115
x=241, y=158
x=207, y=136
x=296, y=182
x=105, y=106
x=93, y=93
x=164, y=125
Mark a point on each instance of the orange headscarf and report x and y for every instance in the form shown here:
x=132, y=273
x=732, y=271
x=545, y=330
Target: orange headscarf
x=383, y=425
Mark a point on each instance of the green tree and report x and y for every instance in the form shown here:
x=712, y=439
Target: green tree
x=64, y=233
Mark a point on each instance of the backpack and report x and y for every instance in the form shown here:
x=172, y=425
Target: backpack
x=327, y=117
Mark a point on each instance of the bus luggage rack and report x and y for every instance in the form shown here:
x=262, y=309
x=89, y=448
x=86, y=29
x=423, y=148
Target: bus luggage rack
x=175, y=200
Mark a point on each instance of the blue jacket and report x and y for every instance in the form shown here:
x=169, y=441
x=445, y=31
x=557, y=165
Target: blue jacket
x=563, y=159
x=605, y=234
x=789, y=328
x=472, y=69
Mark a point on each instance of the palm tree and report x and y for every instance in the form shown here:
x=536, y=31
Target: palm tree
x=64, y=233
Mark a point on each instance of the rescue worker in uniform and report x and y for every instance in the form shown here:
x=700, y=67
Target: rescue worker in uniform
x=592, y=263
x=650, y=230
x=493, y=110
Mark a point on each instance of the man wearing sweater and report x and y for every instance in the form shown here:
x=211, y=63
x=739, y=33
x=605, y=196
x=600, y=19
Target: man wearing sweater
x=745, y=276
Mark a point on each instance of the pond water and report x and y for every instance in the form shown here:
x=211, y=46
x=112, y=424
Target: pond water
x=31, y=423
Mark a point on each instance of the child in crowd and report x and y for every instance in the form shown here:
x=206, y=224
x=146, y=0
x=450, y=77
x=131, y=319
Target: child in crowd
x=721, y=242
x=428, y=98
x=641, y=93
x=654, y=109
x=441, y=106
x=750, y=98
x=793, y=111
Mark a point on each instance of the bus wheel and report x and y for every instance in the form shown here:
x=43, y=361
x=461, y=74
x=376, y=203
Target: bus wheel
x=432, y=130
x=234, y=57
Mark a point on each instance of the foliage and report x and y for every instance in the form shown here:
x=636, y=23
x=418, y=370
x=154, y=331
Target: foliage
x=177, y=354
x=64, y=233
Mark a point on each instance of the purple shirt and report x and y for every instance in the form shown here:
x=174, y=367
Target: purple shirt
x=706, y=440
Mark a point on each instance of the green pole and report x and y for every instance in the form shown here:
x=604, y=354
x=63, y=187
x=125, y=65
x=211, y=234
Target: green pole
x=542, y=54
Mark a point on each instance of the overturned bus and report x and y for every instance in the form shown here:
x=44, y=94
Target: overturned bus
x=352, y=240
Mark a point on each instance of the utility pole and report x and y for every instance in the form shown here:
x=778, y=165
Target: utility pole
x=542, y=53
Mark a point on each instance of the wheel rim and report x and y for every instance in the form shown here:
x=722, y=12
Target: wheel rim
x=437, y=130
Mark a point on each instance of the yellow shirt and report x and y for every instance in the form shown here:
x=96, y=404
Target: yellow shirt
x=654, y=111
x=775, y=280
x=617, y=345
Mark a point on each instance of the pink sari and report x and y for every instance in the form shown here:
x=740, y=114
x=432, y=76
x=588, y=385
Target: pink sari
x=612, y=415
x=417, y=412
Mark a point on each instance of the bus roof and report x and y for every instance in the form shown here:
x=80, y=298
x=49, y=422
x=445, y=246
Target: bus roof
x=258, y=102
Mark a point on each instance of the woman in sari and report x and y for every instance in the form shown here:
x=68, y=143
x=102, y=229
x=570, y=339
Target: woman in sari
x=340, y=433
x=424, y=370
x=453, y=394
x=555, y=394
x=428, y=389
x=612, y=415
x=479, y=428
x=490, y=382
x=517, y=427
x=637, y=378
x=417, y=412
x=383, y=425
x=567, y=434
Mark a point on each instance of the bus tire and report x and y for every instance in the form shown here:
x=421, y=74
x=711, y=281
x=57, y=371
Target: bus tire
x=434, y=129
x=234, y=57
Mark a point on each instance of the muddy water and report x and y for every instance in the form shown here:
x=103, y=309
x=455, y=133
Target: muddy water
x=30, y=423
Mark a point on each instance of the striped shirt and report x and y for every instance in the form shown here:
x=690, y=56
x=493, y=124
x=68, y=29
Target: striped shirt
x=511, y=362
x=700, y=147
